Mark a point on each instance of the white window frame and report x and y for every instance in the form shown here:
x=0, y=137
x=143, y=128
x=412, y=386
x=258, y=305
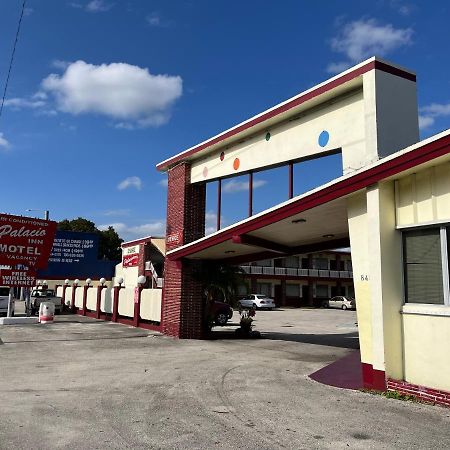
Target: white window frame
x=445, y=268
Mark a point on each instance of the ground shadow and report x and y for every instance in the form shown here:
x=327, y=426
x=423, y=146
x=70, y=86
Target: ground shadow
x=344, y=340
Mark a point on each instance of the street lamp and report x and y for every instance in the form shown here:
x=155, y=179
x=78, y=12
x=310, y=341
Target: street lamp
x=45, y=211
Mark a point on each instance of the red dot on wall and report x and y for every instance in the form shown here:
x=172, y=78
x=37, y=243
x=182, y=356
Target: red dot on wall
x=205, y=172
x=222, y=156
x=236, y=164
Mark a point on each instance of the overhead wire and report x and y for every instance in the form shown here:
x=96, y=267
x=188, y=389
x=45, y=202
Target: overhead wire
x=12, y=57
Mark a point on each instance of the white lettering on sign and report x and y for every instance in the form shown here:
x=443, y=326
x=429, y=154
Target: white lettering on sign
x=174, y=238
x=8, y=230
x=19, y=249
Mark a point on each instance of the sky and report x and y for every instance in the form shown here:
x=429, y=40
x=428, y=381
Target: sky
x=101, y=91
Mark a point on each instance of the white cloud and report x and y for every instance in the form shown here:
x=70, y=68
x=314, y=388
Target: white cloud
x=21, y=103
x=116, y=212
x=28, y=11
x=336, y=67
x=425, y=122
x=128, y=232
x=153, y=19
x=429, y=114
x=363, y=38
x=126, y=93
x=233, y=186
x=98, y=6
x=134, y=182
x=164, y=182
x=60, y=64
x=4, y=143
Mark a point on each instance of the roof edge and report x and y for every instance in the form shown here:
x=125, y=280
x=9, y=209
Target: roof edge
x=325, y=86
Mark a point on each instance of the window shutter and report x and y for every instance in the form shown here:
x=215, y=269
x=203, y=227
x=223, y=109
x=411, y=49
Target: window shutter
x=423, y=266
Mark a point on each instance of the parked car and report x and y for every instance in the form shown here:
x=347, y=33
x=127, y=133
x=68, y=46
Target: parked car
x=340, y=302
x=44, y=295
x=222, y=313
x=4, y=298
x=257, y=301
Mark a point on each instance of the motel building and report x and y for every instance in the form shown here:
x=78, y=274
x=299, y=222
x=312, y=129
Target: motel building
x=300, y=280
x=391, y=206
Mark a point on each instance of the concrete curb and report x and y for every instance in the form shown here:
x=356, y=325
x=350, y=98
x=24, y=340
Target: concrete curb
x=18, y=320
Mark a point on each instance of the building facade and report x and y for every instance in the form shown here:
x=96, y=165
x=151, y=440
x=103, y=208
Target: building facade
x=301, y=280
x=391, y=206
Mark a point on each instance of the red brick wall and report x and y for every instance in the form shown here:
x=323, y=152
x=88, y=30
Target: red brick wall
x=182, y=308
x=420, y=392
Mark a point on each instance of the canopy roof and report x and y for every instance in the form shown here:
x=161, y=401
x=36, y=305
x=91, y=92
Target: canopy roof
x=316, y=220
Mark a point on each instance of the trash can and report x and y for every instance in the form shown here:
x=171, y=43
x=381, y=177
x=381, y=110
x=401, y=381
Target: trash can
x=46, y=312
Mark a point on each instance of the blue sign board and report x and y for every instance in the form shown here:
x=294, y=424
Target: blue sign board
x=74, y=255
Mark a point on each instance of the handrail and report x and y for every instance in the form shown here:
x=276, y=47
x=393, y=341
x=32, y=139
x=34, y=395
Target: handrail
x=294, y=272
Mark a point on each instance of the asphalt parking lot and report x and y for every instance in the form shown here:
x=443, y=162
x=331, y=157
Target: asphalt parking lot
x=85, y=384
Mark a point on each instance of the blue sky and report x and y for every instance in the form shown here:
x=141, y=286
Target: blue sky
x=103, y=90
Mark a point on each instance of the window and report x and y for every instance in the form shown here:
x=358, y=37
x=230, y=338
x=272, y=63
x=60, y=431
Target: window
x=321, y=291
x=264, y=289
x=293, y=290
x=320, y=263
x=290, y=261
x=425, y=259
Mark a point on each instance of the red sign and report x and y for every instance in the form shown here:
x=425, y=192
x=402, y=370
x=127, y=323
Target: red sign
x=27, y=241
x=17, y=278
x=130, y=260
x=174, y=238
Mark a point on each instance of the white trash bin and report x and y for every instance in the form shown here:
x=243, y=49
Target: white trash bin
x=46, y=312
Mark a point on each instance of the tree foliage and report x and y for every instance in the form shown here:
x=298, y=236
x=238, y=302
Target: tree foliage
x=220, y=281
x=109, y=240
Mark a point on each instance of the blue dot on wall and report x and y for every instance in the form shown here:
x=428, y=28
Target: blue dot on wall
x=324, y=137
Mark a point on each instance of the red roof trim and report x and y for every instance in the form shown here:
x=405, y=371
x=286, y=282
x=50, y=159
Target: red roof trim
x=359, y=181
x=293, y=103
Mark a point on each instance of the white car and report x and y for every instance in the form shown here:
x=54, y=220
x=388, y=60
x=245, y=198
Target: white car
x=340, y=302
x=257, y=301
x=4, y=298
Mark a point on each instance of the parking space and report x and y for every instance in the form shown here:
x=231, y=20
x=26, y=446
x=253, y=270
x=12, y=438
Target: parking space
x=81, y=383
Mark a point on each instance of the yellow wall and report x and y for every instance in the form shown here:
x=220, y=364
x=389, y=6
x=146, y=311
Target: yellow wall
x=424, y=197
x=427, y=355
x=344, y=120
x=357, y=223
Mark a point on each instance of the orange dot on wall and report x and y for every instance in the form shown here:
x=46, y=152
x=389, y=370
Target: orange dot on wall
x=236, y=164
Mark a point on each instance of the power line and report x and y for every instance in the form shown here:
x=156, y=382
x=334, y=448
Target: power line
x=12, y=57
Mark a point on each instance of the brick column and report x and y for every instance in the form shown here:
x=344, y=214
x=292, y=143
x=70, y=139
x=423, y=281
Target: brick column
x=183, y=308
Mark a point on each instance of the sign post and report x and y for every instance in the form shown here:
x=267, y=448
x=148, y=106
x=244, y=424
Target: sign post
x=10, y=302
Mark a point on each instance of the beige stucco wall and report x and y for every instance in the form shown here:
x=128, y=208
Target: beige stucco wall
x=376, y=256
x=151, y=304
x=358, y=229
x=344, y=120
x=427, y=357
x=424, y=197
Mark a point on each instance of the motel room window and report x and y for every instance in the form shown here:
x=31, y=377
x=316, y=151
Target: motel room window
x=322, y=291
x=426, y=268
x=293, y=290
x=264, y=289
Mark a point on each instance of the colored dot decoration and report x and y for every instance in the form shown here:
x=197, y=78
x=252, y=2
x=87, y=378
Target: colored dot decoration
x=236, y=164
x=324, y=137
x=222, y=156
x=205, y=172
x=267, y=136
